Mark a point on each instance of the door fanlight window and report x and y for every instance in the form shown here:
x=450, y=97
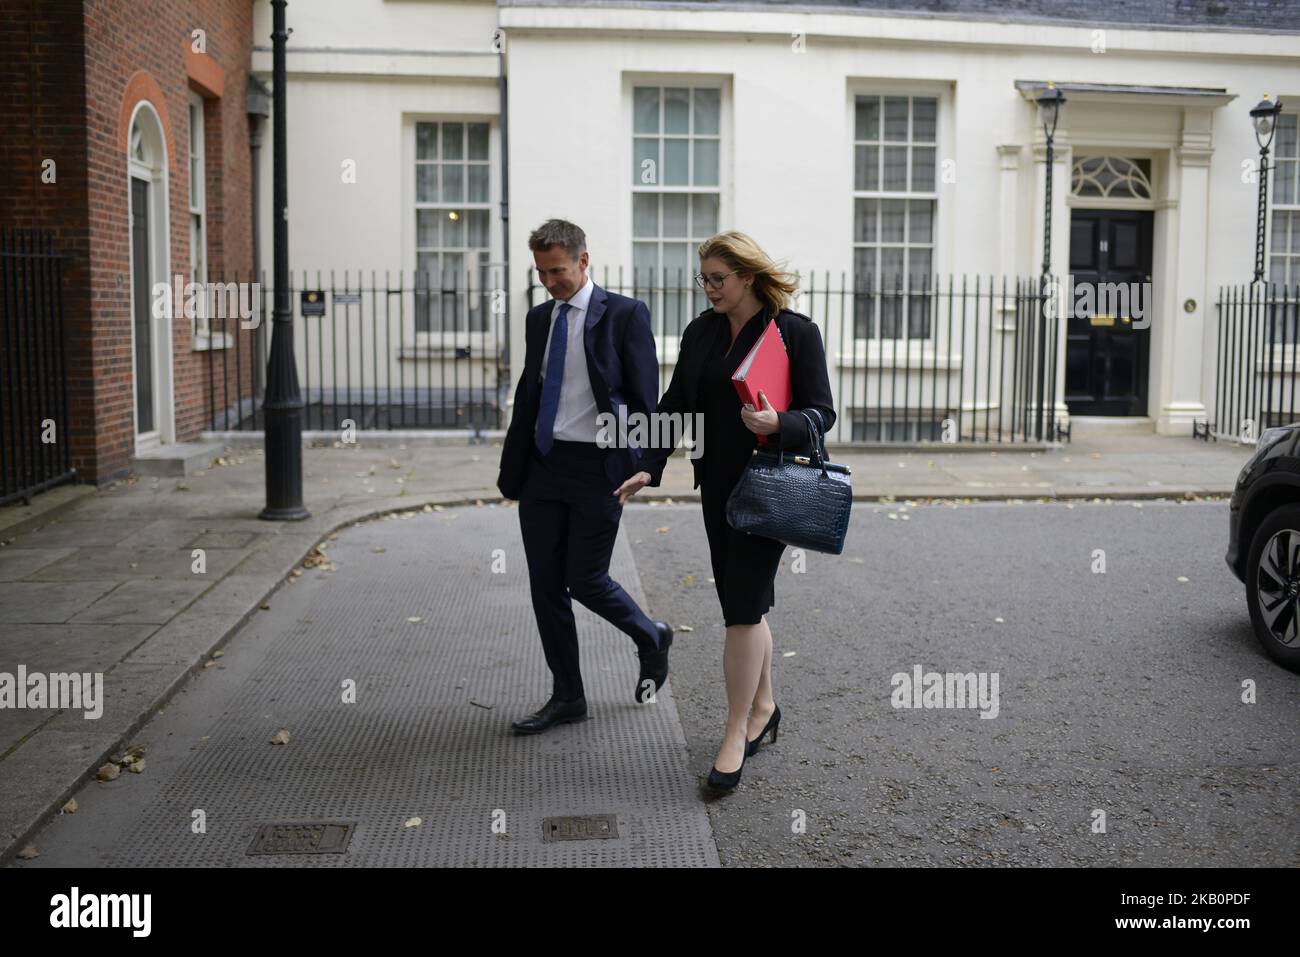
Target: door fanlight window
x=1111, y=177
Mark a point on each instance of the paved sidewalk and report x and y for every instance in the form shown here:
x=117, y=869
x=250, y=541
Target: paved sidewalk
x=105, y=580
x=397, y=671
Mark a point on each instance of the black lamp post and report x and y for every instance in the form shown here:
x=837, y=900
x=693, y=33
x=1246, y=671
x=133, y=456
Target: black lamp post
x=1264, y=117
x=282, y=408
x=1049, y=112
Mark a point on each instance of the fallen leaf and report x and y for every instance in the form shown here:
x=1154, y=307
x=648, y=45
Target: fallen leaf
x=662, y=529
x=684, y=628
x=218, y=654
x=415, y=619
x=108, y=772
x=70, y=807
x=136, y=767
x=689, y=579
x=788, y=654
x=281, y=736
x=265, y=606
x=28, y=852
x=413, y=822
x=209, y=663
x=378, y=548
x=133, y=753
x=1182, y=578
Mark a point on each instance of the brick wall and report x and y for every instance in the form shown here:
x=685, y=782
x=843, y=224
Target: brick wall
x=43, y=118
x=72, y=74
x=123, y=41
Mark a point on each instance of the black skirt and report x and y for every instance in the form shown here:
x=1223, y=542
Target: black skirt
x=744, y=565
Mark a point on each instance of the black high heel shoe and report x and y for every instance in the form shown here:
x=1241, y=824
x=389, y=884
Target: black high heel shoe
x=774, y=722
x=724, y=782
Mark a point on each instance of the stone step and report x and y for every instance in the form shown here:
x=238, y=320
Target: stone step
x=1084, y=425
x=180, y=458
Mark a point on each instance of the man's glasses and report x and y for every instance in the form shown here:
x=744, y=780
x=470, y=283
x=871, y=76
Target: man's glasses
x=714, y=281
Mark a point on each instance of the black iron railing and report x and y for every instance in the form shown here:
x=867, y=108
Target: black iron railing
x=1255, y=362
x=923, y=359
x=390, y=351
x=34, y=439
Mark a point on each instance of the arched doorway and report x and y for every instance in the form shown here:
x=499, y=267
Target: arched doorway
x=150, y=335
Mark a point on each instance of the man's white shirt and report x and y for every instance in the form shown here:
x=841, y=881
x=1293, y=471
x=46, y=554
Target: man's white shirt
x=575, y=419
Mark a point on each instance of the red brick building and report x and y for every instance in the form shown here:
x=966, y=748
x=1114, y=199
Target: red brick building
x=124, y=133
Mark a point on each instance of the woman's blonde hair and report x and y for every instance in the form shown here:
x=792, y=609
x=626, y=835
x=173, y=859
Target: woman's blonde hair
x=773, y=286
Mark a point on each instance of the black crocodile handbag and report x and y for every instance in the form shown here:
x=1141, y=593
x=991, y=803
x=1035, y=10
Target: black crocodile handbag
x=801, y=500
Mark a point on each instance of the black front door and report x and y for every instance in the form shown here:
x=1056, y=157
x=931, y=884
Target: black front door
x=1105, y=356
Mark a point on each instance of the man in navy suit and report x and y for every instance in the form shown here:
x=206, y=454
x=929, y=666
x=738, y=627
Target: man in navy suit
x=588, y=353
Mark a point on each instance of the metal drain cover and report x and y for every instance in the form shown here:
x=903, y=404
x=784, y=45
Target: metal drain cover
x=590, y=827
x=303, y=837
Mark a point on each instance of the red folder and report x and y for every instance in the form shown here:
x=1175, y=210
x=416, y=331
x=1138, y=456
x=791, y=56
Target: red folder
x=766, y=369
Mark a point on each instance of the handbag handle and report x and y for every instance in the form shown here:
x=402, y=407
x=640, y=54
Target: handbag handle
x=818, y=441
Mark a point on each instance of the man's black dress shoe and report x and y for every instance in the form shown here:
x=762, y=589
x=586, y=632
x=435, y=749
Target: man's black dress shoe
x=552, y=713
x=654, y=664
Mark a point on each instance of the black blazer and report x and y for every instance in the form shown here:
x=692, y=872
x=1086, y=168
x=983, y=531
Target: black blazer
x=810, y=384
x=622, y=366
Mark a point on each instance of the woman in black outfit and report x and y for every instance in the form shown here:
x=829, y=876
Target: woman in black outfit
x=747, y=291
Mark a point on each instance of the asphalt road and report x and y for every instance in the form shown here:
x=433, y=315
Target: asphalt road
x=1120, y=738
x=1119, y=693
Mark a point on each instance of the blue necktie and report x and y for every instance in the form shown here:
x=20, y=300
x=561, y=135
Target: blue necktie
x=554, y=378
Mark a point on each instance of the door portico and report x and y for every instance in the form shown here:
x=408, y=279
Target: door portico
x=1170, y=131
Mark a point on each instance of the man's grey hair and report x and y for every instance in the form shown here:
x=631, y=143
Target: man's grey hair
x=558, y=232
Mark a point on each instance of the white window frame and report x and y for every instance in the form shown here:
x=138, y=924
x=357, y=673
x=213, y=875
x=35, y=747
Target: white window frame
x=1290, y=256
x=880, y=195
x=666, y=338
x=423, y=343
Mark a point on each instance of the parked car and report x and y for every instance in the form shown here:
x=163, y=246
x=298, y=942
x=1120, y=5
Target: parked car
x=1264, y=541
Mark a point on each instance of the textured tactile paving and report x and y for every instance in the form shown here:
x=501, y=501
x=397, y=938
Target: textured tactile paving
x=429, y=735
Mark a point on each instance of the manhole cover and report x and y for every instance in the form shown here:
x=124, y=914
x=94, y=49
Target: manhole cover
x=302, y=837
x=591, y=827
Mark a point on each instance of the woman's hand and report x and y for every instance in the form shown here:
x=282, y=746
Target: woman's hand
x=632, y=486
x=763, y=422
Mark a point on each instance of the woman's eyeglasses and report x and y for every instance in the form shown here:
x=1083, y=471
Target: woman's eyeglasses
x=715, y=281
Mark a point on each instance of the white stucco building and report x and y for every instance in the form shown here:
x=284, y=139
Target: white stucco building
x=848, y=139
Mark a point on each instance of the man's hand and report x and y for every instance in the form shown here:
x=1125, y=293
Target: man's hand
x=632, y=486
x=764, y=422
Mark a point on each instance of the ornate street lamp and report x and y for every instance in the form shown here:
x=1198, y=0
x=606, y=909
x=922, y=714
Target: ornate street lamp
x=1264, y=118
x=1049, y=112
